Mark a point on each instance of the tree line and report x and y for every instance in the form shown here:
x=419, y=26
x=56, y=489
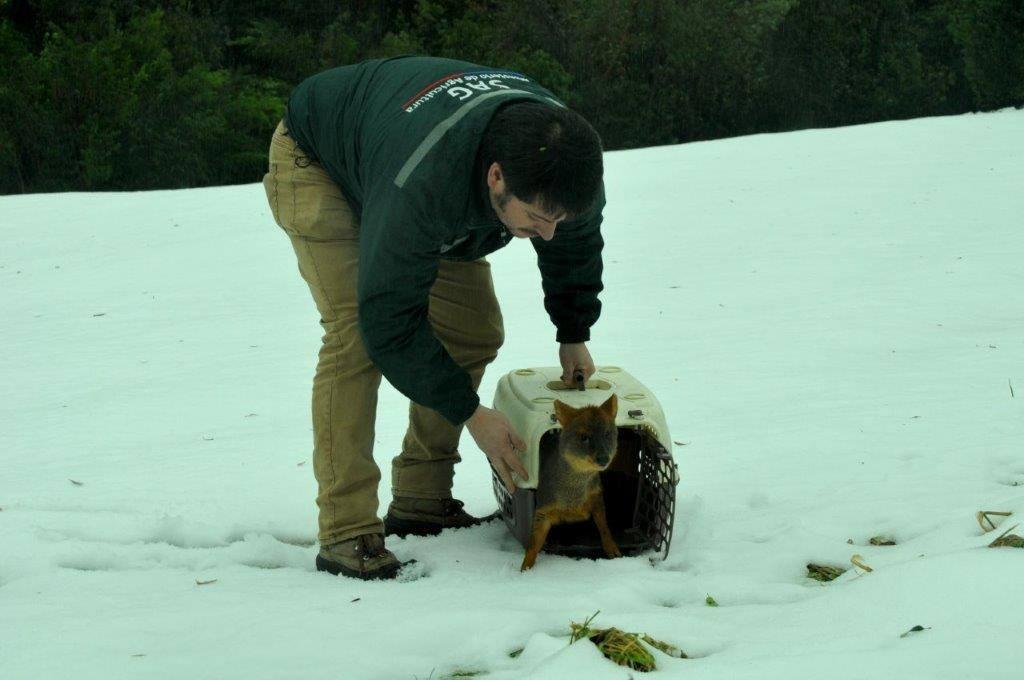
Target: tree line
x=145, y=94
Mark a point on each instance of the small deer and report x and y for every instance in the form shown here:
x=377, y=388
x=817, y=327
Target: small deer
x=569, y=486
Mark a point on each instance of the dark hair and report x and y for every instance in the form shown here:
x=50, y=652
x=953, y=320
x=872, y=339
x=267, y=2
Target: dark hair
x=546, y=152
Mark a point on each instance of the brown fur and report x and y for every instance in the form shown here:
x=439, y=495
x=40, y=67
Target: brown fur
x=569, y=488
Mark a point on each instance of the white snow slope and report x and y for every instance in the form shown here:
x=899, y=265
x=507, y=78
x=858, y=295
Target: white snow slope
x=832, y=319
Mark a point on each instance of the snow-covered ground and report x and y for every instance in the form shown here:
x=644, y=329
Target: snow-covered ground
x=832, y=319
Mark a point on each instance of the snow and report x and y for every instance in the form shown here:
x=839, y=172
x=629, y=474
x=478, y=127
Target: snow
x=832, y=320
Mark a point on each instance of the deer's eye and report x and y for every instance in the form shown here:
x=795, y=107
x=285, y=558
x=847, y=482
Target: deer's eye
x=585, y=438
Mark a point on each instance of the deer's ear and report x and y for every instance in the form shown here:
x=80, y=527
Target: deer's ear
x=611, y=406
x=564, y=413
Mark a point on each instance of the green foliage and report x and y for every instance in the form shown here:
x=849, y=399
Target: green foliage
x=114, y=113
x=20, y=87
x=123, y=94
x=851, y=62
x=270, y=47
x=991, y=35
x=483, y=36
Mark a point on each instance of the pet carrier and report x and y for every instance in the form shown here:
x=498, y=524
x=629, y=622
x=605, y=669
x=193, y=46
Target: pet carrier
x=639, y=485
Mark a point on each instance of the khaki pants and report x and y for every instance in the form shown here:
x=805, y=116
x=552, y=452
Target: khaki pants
x=464, y=313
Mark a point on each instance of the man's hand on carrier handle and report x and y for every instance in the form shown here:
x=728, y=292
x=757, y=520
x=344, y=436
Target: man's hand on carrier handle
x=494, y=435
x=574, y=358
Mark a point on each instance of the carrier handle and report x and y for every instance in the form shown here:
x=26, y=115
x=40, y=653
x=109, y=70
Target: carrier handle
x=579, y=379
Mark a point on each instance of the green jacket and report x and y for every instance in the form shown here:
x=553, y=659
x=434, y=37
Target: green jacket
x=400, y=137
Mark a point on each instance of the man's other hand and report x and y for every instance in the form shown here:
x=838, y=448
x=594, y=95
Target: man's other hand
x=494, y=435
x=575, y=357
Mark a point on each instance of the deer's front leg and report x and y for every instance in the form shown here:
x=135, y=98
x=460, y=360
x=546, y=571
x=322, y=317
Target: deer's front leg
x=539, y=534
x=601, y=520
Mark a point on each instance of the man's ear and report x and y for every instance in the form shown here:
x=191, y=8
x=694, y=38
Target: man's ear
x=495, y=177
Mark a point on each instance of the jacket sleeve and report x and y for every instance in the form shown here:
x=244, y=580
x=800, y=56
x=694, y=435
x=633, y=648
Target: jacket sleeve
x=570, y=268
x=397, y=267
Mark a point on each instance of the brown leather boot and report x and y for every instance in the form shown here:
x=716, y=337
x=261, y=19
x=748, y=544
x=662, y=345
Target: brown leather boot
x=428, y=517
x=363, y=557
